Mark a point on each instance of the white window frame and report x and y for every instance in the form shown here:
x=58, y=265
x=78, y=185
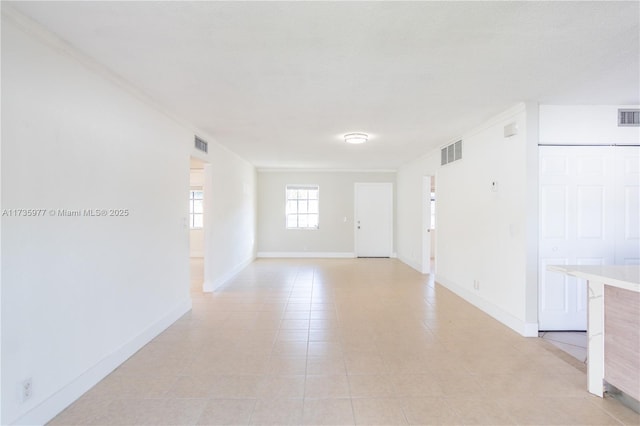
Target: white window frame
x=192, y=213
x=288, y=211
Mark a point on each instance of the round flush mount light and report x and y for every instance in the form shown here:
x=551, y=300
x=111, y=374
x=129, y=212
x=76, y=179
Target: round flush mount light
x=356, y=138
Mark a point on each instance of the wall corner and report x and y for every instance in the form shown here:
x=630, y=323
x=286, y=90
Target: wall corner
x=531, y=277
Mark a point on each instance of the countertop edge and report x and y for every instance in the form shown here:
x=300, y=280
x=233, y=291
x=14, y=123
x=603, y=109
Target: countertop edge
x=622, y=276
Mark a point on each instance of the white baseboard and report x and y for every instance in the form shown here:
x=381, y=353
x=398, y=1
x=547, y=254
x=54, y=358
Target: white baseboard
x=523, y=328
x=54, y=404
x=414, y=264
x=306, y=254
x=530, y=329
x=209, y=286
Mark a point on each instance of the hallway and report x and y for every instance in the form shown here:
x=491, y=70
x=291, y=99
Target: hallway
x=342, y=341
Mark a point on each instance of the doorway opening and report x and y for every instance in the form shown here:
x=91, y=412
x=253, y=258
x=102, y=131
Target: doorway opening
x=197, y=220
x=428, y=201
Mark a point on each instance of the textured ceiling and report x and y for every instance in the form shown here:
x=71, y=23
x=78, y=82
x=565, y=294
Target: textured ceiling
x=279, y=82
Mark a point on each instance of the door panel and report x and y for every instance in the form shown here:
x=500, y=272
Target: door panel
x=574, y=209
x=553, y=209
x=628, y=233
x=631, y=213
x=589, y=210
x=374, y=219
x=553, y=295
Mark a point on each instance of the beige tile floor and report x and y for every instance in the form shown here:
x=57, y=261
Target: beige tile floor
x=349, y=341
x=572, y=342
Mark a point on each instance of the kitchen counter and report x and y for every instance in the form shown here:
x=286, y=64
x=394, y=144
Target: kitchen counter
x=613, y=326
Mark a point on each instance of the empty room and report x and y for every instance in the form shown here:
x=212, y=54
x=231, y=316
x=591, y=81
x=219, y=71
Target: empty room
x=338, y=213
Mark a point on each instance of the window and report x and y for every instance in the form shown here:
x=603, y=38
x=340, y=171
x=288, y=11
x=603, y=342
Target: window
x=196, y=208
x=302, y=206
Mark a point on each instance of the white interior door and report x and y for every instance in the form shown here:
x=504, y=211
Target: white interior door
x=589, y=215
x=627, y=218
x=426, y=224
x=576, y=208
x=373, y=219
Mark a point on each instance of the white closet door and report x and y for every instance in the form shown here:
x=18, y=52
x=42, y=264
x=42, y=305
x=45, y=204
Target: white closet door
x=627, y=218
x=577, y=208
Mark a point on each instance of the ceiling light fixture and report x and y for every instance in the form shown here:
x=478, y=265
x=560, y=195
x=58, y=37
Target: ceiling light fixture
x=356, y=138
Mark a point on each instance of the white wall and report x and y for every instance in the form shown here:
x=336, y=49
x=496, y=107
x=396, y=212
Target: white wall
x=482, y=235
x=196, y=243
x=410, y=205
x=335, y=238
x=196, y=177
x=230, y=216
x=485, y=236
x=77, y=290
x=81, y=294
x=585, y=125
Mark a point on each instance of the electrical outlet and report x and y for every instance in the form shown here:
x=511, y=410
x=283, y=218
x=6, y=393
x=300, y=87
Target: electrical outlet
x=26, y=389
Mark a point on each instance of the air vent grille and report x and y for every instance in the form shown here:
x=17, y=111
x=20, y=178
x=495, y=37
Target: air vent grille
x=629, y=117
x=451, y=153
x=201, y=145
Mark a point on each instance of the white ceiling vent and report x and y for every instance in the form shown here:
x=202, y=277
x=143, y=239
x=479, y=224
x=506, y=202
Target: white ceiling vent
x=629, y=117
x=451, y=153
x=201, y=145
